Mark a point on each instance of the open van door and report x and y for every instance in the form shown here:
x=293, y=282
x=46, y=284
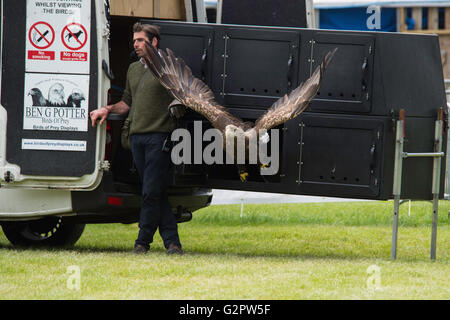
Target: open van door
x=52, y=56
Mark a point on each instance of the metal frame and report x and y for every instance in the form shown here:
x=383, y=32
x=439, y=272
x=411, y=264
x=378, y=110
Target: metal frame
x=310, y=15
x=400, y=155
x=200, y=10
x=219, y=11
x=188, y=7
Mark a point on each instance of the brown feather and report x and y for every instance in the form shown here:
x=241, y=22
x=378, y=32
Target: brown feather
x=177, y=77
x=192, y=92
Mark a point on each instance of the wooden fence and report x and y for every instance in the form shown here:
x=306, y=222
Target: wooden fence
x=417, y=14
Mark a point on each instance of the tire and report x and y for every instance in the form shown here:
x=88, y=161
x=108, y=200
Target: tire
x=50, y=232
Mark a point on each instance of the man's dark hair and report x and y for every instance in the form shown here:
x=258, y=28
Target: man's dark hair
x=150, y=30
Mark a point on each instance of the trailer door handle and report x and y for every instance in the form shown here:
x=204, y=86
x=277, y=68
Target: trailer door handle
x=364, y=74
x=204, y=56
x=108, y=71
x=364, y=65
x=373, y=158
x=289, y=78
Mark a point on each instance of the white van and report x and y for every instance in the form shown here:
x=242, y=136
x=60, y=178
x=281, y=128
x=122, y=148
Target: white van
x=57, y=172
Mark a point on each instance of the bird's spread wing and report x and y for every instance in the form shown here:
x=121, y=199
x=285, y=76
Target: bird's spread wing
x=291, y=105
x=177, y=78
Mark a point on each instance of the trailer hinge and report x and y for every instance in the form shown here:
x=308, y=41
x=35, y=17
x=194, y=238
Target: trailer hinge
x=393, y=119
x=104, y=165
x=106, y=32
x=9, y=177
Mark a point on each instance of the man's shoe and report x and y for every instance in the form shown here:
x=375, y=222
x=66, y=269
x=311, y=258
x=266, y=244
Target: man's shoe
x=139, y=249
x=174, y=249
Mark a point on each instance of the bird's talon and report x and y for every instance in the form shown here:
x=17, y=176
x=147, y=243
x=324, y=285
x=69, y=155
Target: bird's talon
x=243, y=176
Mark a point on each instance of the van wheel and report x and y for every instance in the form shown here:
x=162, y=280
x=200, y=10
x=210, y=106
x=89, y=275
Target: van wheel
x=50, y=231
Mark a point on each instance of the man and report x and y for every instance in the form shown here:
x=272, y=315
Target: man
x=150, y=127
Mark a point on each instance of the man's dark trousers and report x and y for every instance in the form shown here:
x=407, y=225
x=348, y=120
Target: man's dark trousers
x=153, y=166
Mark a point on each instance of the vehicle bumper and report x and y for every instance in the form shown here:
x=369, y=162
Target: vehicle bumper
x=105, y=204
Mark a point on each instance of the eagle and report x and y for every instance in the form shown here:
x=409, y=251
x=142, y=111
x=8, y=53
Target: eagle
x=37, y=97
x=75, y=98
x=56, y=95
x=177, y=78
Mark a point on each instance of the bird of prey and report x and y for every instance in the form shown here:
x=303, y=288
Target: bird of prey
x=190, y=91
x=37, y=97
x=75, y=98
x=56, y=95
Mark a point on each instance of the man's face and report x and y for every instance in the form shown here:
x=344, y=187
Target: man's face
x=139, y=39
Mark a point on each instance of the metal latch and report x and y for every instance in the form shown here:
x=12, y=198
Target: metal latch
x=106, y=33
x=104, y=165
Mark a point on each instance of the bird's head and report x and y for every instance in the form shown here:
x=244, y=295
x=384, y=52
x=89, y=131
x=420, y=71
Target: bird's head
x=232, y=131
x=234, y=136
x=34, y=92
x=56, y=93
x=77, y=95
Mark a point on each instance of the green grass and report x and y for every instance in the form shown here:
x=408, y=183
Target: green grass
x=277, y=251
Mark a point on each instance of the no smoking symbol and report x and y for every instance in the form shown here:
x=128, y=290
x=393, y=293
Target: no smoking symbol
x=74, y=36
x=41, y=35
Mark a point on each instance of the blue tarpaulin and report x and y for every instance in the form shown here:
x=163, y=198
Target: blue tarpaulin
x=356, y=19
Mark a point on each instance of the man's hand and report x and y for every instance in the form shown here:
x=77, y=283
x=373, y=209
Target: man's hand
x=101, y=114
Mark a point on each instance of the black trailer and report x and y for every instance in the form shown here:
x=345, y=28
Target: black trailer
x=344, y=144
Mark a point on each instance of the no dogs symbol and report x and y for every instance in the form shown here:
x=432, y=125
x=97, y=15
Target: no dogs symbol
x=74, y=36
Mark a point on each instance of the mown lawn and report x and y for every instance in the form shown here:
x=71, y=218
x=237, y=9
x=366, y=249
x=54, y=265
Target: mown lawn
x=277, y=251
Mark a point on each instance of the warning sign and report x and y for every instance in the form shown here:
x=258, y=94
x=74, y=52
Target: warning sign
x=58, y=33
x=41, y=55
x=41, y=35
x=74, y=36
x=73, y=56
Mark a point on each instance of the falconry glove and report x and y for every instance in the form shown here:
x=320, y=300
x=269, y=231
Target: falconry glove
x=176, y=109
